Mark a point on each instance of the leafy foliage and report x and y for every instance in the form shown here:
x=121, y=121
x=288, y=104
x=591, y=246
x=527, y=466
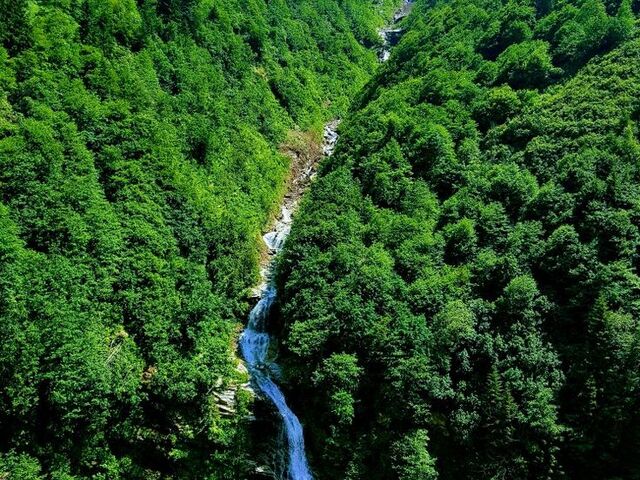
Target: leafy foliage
x=472, y=246
x=138, y=163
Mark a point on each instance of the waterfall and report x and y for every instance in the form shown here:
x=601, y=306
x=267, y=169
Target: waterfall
x=254, y=345
x=391, y=34
x=255, y=340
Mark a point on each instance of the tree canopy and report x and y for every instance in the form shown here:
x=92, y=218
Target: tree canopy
x=472, y=248
x=139, y=161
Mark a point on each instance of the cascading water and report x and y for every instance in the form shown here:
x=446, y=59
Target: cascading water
x=255, y=340
x=254, y=345
x=392, y=33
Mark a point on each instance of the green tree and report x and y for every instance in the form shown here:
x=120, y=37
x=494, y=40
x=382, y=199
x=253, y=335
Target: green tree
x=412, y=459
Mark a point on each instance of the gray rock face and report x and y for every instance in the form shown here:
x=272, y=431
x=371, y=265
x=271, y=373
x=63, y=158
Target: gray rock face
x=391, y=34
x=226, y=399
x=330, y=139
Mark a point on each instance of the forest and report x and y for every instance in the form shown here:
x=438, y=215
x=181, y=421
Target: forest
x=459, y=294
x=140, y=159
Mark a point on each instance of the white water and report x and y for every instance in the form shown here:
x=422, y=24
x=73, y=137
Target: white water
x=254, y=341
x=391, y=33
x=254, y=345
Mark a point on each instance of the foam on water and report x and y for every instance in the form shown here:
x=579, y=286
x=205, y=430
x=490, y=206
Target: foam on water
x=255, y=340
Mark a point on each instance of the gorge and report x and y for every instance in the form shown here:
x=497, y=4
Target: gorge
x=448, y=292
x=255, y=339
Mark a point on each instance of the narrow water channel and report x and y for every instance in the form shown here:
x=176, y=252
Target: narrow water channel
x=255, y=339
x=391, y=33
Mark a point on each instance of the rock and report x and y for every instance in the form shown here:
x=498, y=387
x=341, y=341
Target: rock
x=242, y=368
x=391, y=35
x=226, y=401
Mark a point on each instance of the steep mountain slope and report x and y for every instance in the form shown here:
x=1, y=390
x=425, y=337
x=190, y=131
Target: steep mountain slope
x=138, y=163
x=459, y=294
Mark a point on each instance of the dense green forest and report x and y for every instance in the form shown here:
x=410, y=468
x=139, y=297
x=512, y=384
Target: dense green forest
x=139, y=161
x=460, y=295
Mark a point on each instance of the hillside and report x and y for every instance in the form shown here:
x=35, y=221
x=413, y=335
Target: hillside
x=459, y=294
x=140, y=158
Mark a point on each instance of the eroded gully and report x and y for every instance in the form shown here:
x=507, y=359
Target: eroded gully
x=255, y=339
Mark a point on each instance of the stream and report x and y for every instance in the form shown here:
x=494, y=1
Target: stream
x=255, y=339
x=391, y=33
